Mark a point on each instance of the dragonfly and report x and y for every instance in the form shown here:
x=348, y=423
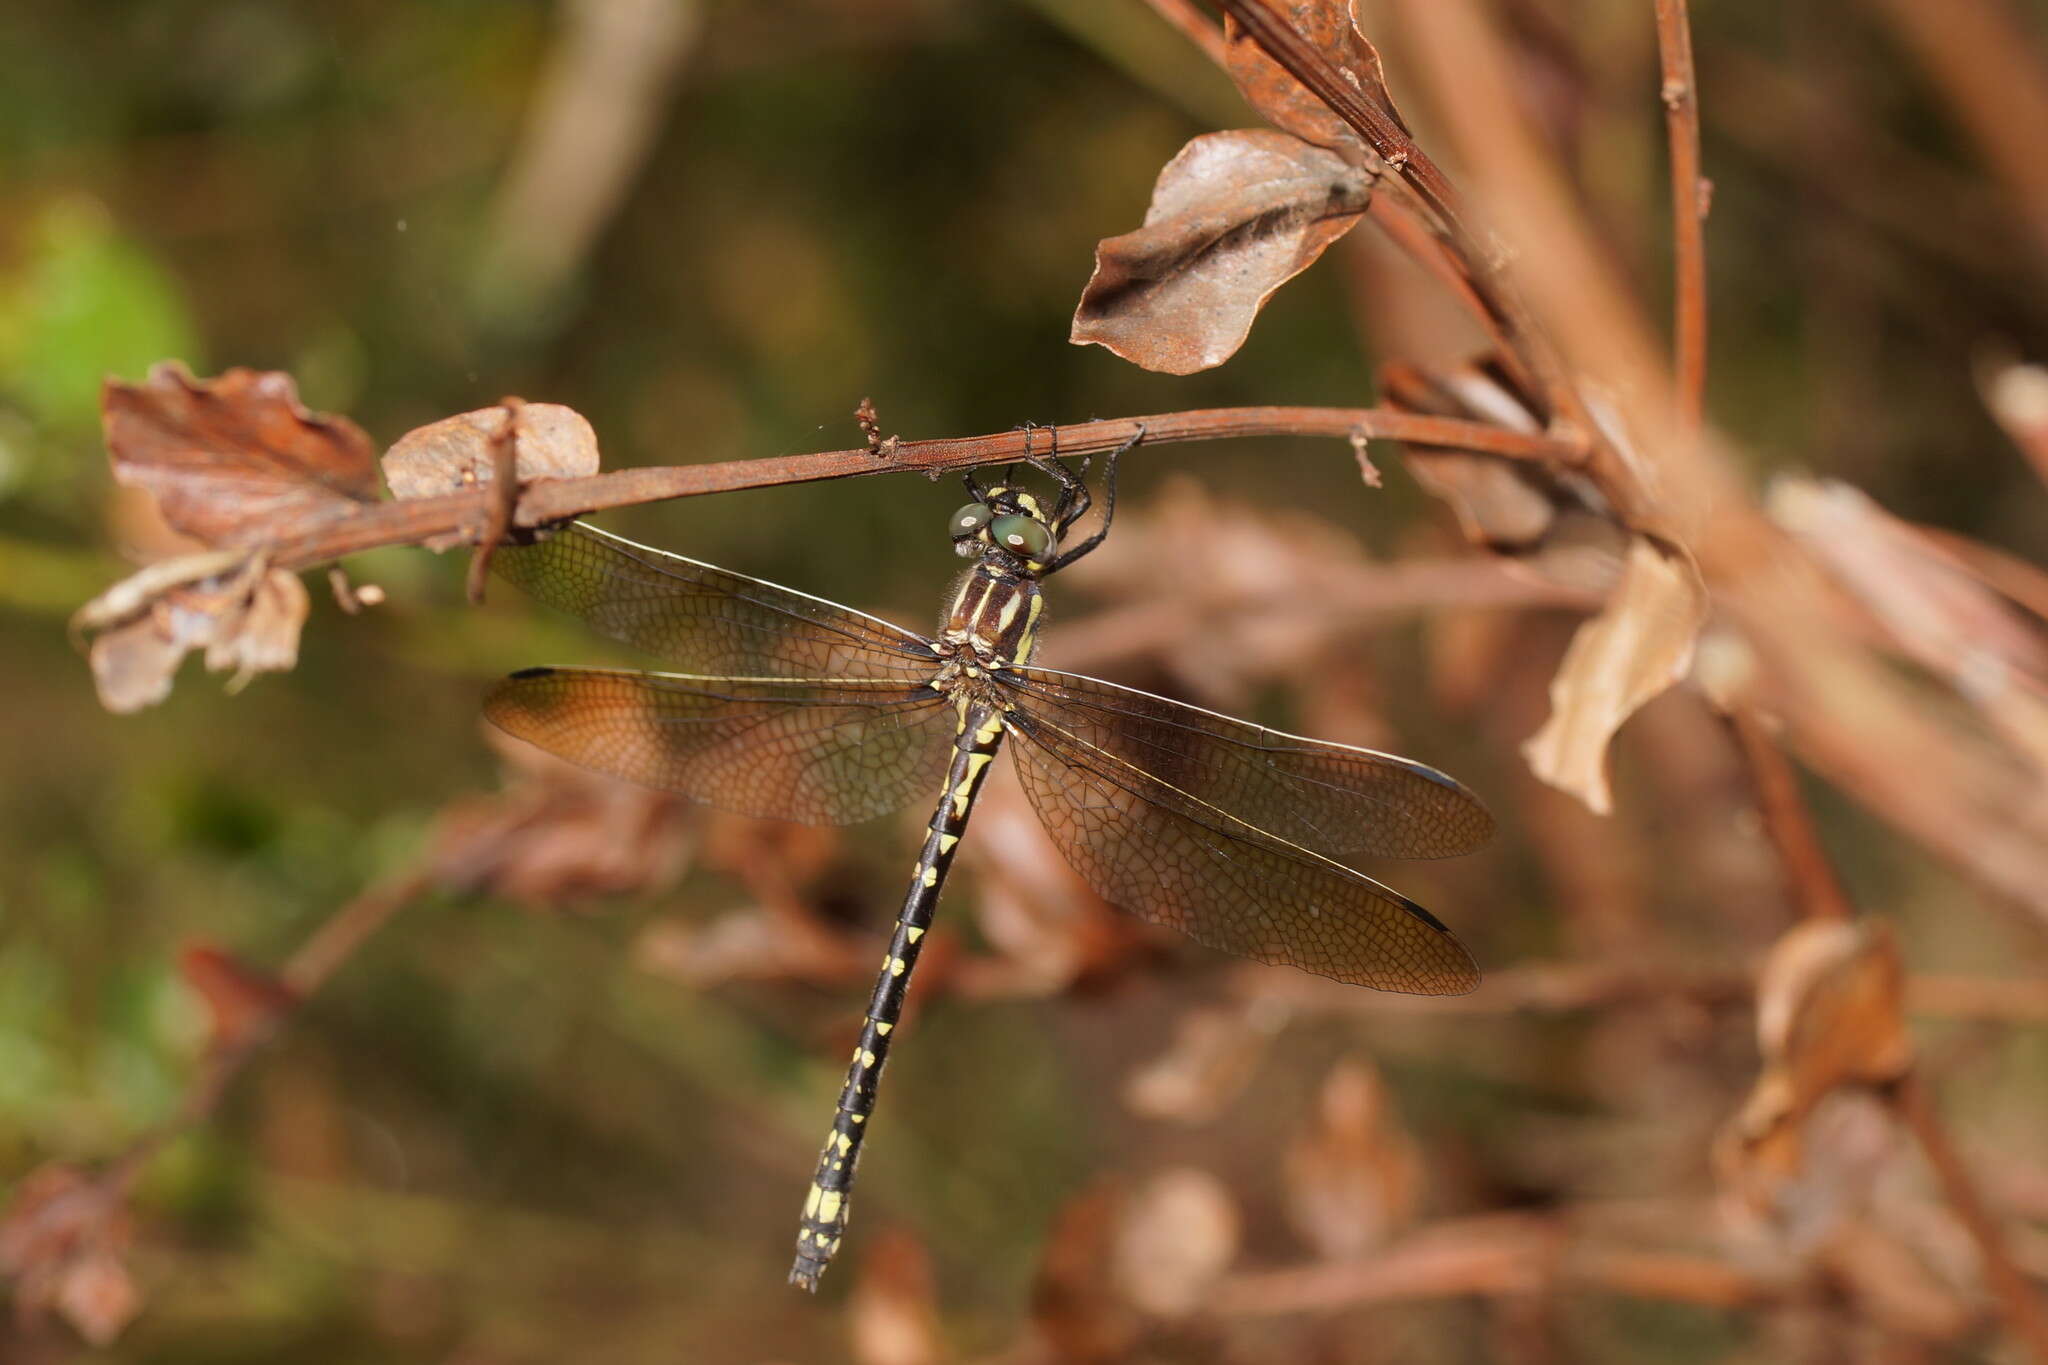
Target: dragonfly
x=792, y=707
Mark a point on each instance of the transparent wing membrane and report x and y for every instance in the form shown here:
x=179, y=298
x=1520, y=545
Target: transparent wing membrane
x=816, y=750
x=1332, y=798
x=1155, y=850
x=708, y=620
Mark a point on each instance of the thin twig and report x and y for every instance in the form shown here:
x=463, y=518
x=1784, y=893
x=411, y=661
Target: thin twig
x=503, y=497
x=549, y=500
x=1688, y=214
x=1915, y=1108
x=1193, y=24
x=332, y=943
x=1815, y=888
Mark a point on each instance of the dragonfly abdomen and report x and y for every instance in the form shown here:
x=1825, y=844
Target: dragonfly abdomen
x=826, y=1205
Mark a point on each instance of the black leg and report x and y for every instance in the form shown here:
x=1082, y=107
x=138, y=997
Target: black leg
x=1108, y=504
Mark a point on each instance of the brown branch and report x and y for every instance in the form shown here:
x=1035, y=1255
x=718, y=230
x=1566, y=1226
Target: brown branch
x=1688, y=214
x=549, y=500
x=1567, y=987
x=1815, y=888
x=1494, y=1254
x=2023, y=1310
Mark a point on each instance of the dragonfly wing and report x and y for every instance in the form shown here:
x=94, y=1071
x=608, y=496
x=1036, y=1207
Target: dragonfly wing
x=704, y=619
x=820, y=750
x=1159, y=852
x=1333, y=798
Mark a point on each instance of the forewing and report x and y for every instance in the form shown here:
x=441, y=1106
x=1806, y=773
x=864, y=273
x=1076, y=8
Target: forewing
x=1332, y=798
x=704, y=619
x=821, y=751
x=1161, y=854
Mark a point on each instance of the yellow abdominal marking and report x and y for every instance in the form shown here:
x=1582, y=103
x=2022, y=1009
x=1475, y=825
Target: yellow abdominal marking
x=845, y=1143
x=946, y=842
x=882, y=1028
x=913, y=933
x=896, y=967
x=828, y=1207
x=930, y=877
x=987, y=733
x=867, y=1058
x=811, y=1200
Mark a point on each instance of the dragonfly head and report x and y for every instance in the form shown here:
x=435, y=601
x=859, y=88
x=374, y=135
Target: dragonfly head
x=1004, y=521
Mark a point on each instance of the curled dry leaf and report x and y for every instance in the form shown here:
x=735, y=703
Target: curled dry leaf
x=559, y=834
x=1503, y=505
x=2017, y=397
x=1048, y=929
x=1233, y=217
x=1214, y=1054
x=1830, y=1018
x=62, y=1241
x=1331, y=27
x=748, y=945
x=1175, y=1238
x=1942, y=614
x=241, y=1002
x=455, y=453
x=1353, y=1176
x=236, y=461
x=893, y=1314
x=236, y=464
x=246, y=618
x=1639, y=645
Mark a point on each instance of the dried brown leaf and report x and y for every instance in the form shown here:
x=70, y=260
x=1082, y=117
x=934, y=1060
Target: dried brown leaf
x=1215, y=1053
x=1937, y=608
x=1353, y=1177
x=893, y=1314
x=1331, y=26
x=1830, y=1021
x=2017, y=397
x=455, y=453
x=1048, y=929
x=1176, y=1237
x=1639, y=645
x=1233, y=217
x=236, y=461
x=98, y=1297
x=241, y=1001
x=246, y=618
x=747, y=945
x=62, y=1241
x=560, y=834
x=1503, y=505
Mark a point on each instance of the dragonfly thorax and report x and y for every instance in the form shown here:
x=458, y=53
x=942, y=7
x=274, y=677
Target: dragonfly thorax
x=992, y=618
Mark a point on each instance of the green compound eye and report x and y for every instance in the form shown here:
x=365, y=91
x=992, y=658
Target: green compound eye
x=970, y=519
x=1021, y=536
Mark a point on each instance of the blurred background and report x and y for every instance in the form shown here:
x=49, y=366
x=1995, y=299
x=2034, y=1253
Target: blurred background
x=565, y=1108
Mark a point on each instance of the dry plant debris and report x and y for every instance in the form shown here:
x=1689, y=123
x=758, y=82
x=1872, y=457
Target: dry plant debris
x=1578, y=496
